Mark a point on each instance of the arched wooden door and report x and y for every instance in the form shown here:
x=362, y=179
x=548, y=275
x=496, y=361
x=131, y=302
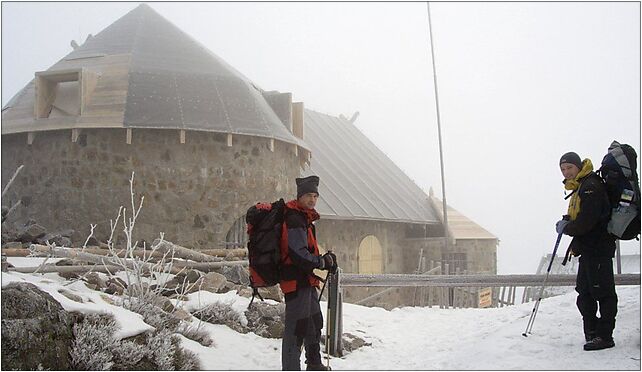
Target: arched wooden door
x=370, y=256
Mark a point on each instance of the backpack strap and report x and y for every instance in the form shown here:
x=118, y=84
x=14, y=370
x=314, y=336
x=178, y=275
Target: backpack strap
x=255, y=293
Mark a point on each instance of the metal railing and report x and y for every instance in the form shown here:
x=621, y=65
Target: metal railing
x=340, y=280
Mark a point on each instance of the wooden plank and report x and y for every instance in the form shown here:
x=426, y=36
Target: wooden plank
x=271, y=144
x=128, y=139
x=30, y=137
x=67, y=269
x=229, y=140
x=75, y=133
x=182, y=136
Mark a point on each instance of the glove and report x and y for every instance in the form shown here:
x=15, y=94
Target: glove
x=329, y=262
x=560, y=226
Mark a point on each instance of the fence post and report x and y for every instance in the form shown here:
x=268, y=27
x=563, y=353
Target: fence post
x=335, y=345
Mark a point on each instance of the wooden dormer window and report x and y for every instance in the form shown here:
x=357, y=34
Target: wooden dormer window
x=61, y=93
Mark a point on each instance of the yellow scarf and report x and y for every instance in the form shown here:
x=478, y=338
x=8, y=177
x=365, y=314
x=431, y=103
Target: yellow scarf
x=574, y=185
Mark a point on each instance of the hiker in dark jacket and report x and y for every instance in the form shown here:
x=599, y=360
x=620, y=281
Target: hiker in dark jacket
x=588, y=215
x=299, y=256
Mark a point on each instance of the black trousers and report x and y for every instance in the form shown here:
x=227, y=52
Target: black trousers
x=303, y=324
x=595, y=286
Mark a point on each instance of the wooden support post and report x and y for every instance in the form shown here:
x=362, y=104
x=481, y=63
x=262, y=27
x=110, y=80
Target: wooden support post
x=229, y=140
x=75, y=132
x=128, y=139
x=334, y=345
x=182, y=136
x=271, y=145
x=296, y=150
x=30, y=137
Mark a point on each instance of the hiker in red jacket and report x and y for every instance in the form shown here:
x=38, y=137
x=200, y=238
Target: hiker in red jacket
x=299, y=256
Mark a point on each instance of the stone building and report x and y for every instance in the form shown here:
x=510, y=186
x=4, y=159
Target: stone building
x=205, y=143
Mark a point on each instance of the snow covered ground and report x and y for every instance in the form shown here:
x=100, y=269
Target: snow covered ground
x=409, y=338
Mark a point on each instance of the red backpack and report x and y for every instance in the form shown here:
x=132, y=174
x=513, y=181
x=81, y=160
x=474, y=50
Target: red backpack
x=264, y=224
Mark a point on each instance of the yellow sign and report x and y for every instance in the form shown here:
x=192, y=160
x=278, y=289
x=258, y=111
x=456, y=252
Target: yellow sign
x=485, y=297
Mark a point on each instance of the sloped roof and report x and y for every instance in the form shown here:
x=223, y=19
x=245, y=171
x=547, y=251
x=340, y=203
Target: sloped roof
x=460, y=226
x=357, y=180
x=153, y=75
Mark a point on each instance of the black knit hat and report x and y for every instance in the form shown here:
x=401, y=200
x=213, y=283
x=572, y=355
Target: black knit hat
x=571, y=158
x=306, y=185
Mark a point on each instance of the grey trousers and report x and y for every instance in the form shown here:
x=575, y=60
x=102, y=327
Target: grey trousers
x=303, y=324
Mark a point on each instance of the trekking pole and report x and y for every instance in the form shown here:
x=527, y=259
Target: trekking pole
x=529, y=326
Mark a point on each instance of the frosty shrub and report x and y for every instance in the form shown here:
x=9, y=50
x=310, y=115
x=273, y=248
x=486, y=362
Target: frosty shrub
x=152, y=314
x=195, y=333
x=222, y=313
x=127, y=354
x=160, y=350
x=266, y=320
x=94, y=339
x=185, y=360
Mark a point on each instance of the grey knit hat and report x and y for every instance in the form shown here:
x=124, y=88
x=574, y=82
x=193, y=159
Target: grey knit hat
x=306, y=185
x=571, y=158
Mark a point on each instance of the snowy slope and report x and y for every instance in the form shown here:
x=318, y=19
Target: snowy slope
x=409, y=338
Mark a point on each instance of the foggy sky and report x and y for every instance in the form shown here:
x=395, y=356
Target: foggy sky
x=519, y=85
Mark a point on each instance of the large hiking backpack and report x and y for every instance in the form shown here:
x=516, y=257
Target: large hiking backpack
x=264, y=224
x=619, y=173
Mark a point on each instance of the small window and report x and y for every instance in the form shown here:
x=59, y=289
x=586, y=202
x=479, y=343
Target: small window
x=59, y=93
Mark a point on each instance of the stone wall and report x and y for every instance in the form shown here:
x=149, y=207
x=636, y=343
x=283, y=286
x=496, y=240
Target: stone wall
x=344, y=237
x=193, y=191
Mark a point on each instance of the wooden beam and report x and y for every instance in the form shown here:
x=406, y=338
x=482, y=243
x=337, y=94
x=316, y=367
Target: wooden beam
x=68, y=269
x=129, y=136
x=296, y=150
x=75, y=132
x=272, y=144
x=30, y=137
x=229, y=140
x=182, y=135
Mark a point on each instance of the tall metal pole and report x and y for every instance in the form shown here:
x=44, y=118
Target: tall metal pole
x=441, y=154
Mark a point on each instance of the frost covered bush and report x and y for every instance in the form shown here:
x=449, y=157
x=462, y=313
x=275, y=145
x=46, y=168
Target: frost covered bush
x=152, y=314
x=195, y=333
x=222, y=313
x=94, y=339
x=95, y=349
x=266, y=320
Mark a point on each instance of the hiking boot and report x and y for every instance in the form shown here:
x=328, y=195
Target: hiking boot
x=598, y=343
x=317, y=367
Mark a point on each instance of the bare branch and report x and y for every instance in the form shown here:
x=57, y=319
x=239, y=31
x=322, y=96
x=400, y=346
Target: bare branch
x=6, y=188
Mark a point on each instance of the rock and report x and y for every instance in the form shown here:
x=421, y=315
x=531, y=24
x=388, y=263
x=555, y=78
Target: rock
x=116, y=281
x=67, y=233
x=66, y=262
x=272, y=293
x=182, y=314
x=266, y=320
x=212, y=282
x=31, y=232
x=112, y=288
x=11, y=245
x=96, y=280
x=55, y=238
x=70, y=295
x=192, y=275
x=245, y=292
x=36, y=330
x=93, y=241
x=237, y=274
x=352, y=342
x=70, y=275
